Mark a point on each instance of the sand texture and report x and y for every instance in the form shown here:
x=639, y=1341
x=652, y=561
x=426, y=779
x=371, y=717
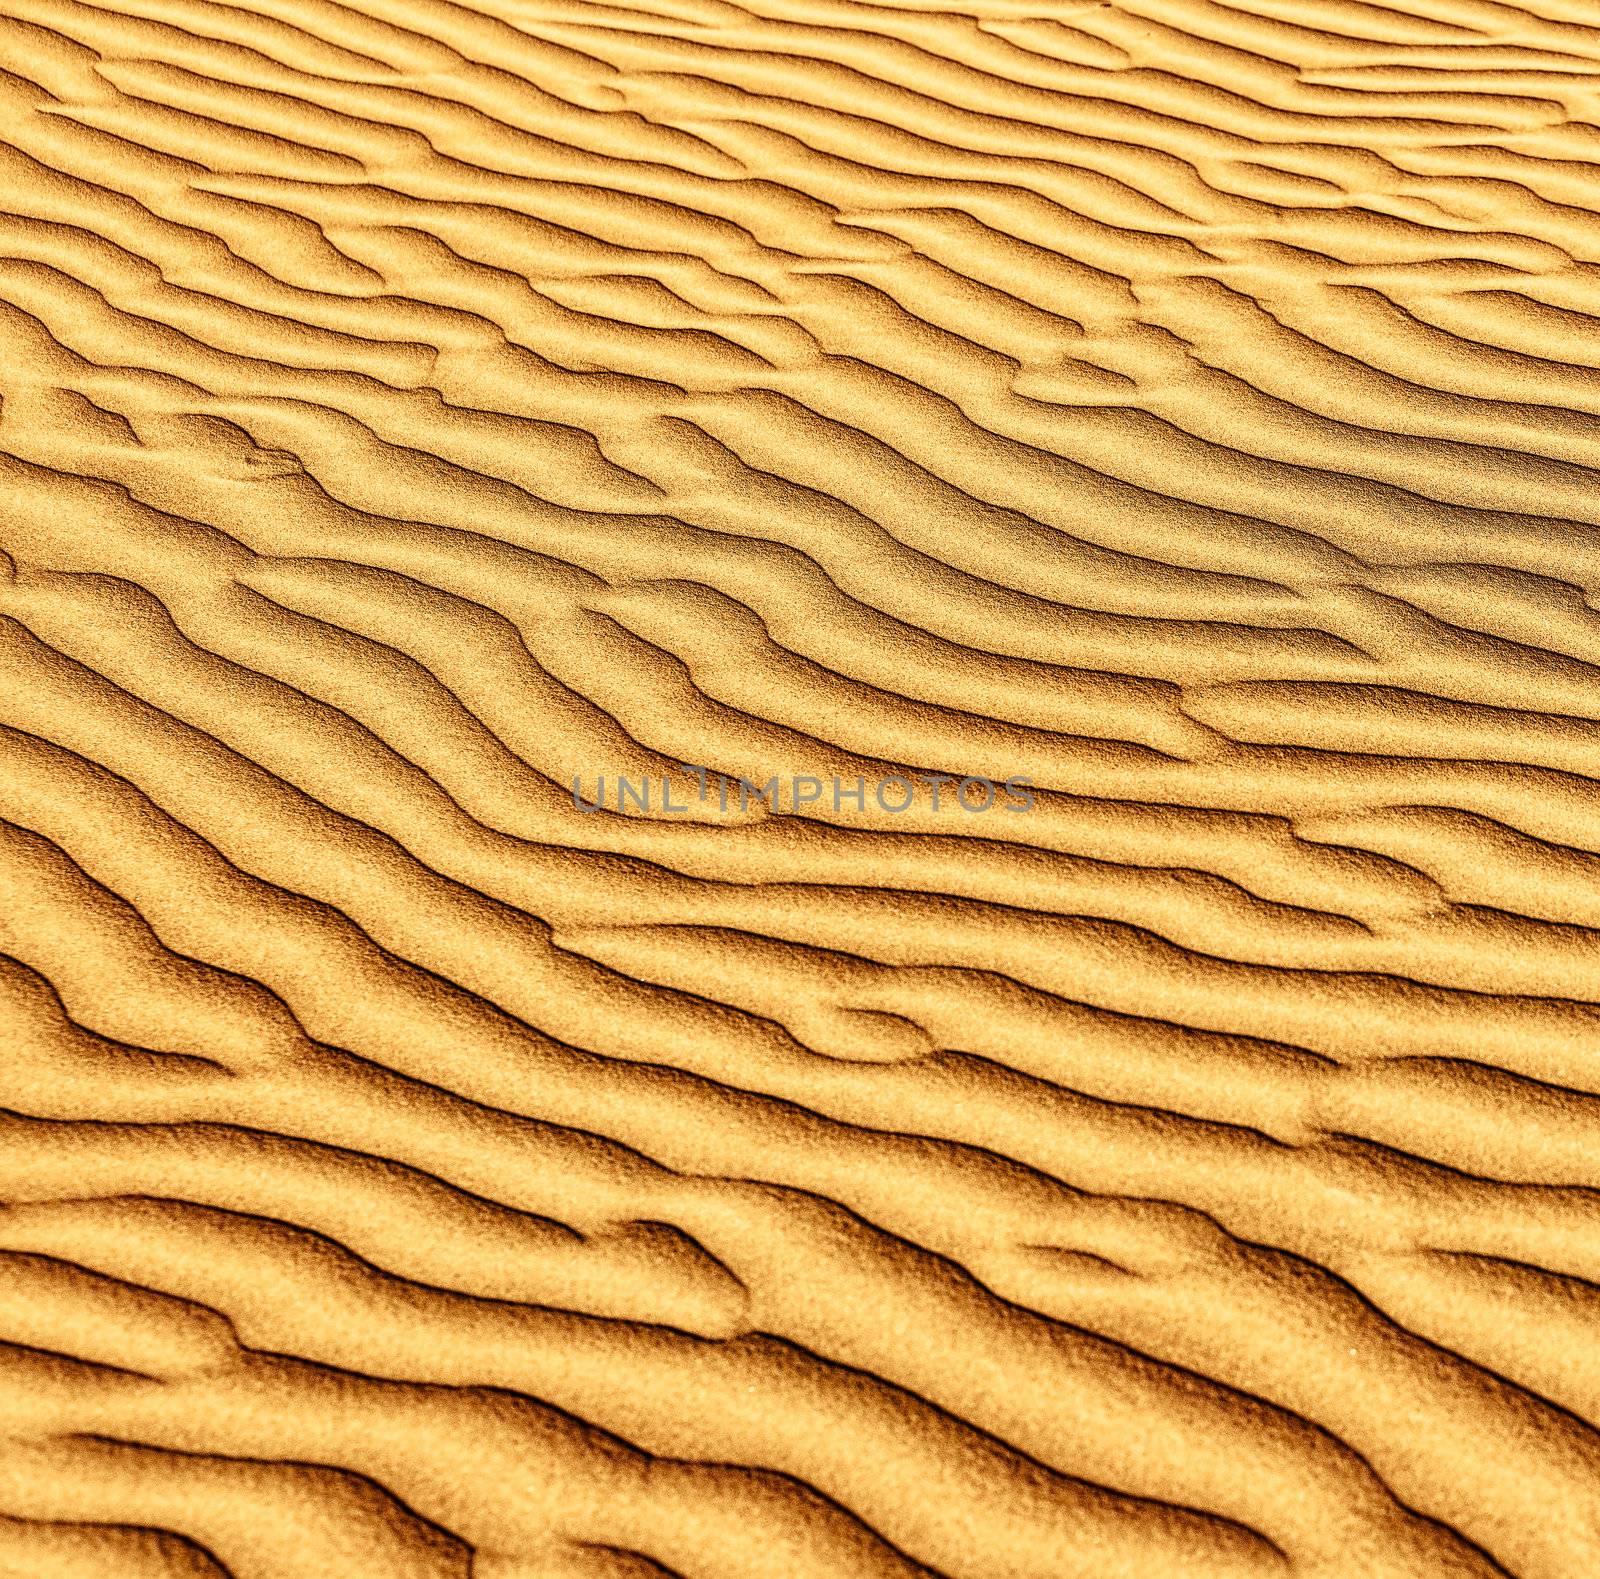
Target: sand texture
x=1183, y=1167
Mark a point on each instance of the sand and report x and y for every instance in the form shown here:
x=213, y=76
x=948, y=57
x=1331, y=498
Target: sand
x=1177, y=1163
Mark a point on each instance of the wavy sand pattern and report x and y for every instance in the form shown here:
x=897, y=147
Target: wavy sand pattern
x=410, y=406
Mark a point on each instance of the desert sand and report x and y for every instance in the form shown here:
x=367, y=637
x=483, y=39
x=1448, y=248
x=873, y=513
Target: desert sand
x=1182, y=1165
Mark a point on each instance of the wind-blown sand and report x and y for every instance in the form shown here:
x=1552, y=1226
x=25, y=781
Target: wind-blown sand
x=411, y=407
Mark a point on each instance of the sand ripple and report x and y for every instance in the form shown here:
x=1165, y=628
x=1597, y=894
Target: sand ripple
x=410, y=407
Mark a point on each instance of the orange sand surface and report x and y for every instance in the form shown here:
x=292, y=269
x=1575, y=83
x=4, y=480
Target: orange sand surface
x=1182, y=1165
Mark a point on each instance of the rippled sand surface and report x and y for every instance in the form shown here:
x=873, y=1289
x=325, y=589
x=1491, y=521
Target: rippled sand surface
x=1185, y=1168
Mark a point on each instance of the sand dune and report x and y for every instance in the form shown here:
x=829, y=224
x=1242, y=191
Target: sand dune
x=1136, y=1119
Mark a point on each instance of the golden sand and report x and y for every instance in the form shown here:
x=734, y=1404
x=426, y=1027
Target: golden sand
x=412, y=407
